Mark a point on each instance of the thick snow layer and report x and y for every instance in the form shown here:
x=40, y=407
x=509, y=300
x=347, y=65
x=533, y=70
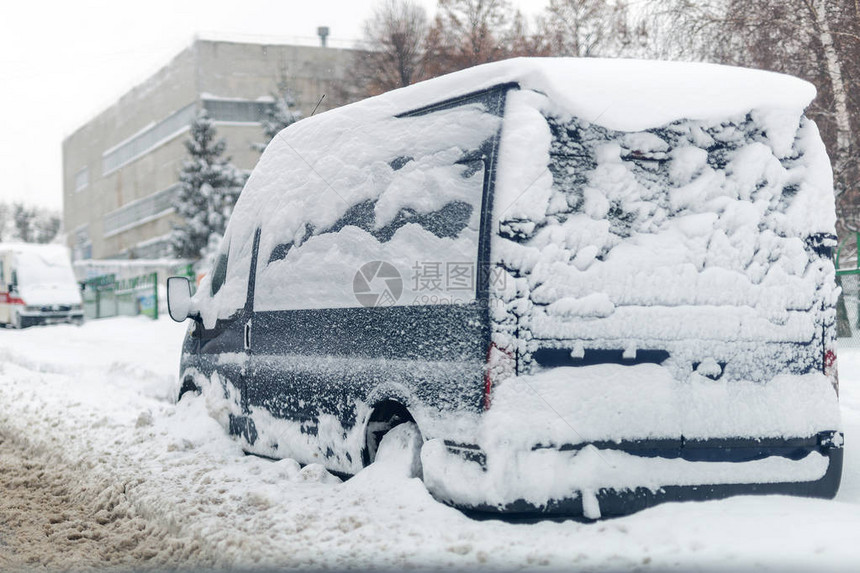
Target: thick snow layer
x=628, y=95
x=613, y=402
x=359, y=184
x=537, y=476
x=95, y=402
x=679, y=214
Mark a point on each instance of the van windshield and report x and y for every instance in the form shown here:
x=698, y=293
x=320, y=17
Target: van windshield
x=44, y=269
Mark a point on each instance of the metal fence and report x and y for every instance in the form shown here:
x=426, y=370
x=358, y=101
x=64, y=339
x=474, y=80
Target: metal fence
x=848, y=278
x=848, y=309
x=107, y=295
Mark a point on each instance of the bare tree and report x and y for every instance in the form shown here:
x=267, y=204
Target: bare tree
x=392, y=52
x=519, y=40
x=46, y=226
x=818, y=40
x=30, y=224
x=592, y=28
x=820, y=14
x=4, y=218
x=23, y=218
x=467, y=33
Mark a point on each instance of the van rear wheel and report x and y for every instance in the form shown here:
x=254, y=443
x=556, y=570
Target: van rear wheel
x=188, y=385
x=386, y=415
x=400, y=450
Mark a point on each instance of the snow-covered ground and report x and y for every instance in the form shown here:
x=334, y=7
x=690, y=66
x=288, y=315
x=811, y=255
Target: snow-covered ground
x=91, y=409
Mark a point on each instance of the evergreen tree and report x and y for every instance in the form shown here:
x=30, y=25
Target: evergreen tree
x=283, y=112
x=209, y=187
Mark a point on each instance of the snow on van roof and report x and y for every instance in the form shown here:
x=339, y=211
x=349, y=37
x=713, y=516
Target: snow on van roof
x=50, y=249
x=625, y=95
x=324, y=168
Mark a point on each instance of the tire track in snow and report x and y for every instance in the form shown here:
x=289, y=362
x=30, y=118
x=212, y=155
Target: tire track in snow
x=52, y=518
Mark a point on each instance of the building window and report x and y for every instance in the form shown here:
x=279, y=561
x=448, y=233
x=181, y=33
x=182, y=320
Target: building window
x=82, y=179
x=148, y=139
x=236, y=111
x=155, y=248
x=140, y=211
x=83, y=248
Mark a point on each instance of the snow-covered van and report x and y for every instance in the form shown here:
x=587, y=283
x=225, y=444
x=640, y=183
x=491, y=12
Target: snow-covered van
x=588, y=286
x=37, y=286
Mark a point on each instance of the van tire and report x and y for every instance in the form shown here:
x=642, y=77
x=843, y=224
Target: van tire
x=385, y=415
x=188, y=385
x=400, y=449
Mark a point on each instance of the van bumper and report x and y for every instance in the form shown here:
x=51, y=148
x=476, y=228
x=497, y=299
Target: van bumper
x=467, y=466
x=50, y=317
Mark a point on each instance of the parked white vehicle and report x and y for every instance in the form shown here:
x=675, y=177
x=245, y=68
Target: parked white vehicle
x=37, y=286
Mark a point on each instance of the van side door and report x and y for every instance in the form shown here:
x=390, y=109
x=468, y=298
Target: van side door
x=223, y=331
x=371, y=282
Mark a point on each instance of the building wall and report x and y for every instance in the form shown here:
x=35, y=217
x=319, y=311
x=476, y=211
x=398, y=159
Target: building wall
x=121, y=168
x=251, y=71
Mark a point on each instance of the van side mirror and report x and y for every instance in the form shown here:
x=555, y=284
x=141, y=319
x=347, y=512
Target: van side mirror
x=179, y=298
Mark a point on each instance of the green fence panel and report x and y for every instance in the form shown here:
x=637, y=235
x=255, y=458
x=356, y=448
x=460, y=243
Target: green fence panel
x=106, y=296
x=848, y=278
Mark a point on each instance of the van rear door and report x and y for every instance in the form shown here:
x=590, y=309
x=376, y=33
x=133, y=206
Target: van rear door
x=668, y=283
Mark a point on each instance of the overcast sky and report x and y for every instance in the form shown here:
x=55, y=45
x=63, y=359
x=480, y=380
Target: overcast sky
x=62, y=62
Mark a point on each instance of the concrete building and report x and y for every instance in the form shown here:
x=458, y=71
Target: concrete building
x=120, y=169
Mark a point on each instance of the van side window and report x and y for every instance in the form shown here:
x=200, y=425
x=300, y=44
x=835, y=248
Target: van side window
x=224, y=290
x=219, y=273
x=447, y=221
x=407, y=191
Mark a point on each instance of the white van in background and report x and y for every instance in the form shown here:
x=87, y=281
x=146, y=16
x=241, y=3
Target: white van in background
x=37, y=286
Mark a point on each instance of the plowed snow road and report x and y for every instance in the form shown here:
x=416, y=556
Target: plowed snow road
x=100, y=469
x=51, y=518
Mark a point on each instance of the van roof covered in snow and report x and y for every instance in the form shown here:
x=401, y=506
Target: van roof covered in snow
x=626, y=95
x=51, y=250
x=386, y=151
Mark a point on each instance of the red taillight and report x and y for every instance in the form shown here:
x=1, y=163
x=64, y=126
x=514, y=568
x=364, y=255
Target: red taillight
x=501, y=364
x=830, y=369
x=9, y=299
